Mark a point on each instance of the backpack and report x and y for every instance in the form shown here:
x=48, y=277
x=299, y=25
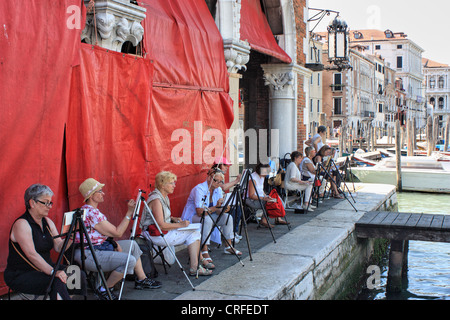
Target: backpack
x=275, y=209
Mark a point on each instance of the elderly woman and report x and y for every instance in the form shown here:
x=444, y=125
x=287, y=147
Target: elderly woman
x=29, y=268
x=112, y=256
x=255, y=193
x=323, y=156
x=293, y=179
x=308, y=168
x=206, y=199
x=159, y=204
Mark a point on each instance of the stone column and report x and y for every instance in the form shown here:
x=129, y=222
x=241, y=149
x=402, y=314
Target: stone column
x=237, y=55
x=114, y=23
x=281, y=79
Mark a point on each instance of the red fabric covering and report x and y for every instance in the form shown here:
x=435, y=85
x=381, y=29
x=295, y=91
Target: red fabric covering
x=108, y=129
x=190, y=85
x=119, y=112
x=256, y=30
x=185, y=44
x=37, y=53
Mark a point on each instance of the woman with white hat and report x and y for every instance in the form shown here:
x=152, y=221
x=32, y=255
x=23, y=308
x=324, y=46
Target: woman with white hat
x=111, y=255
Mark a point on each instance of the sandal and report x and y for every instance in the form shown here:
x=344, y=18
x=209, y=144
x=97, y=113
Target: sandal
x=265, y=225
x=338, y=196
x=281, y=221
x=209, y=263
x=230, y=250
x=200, y=272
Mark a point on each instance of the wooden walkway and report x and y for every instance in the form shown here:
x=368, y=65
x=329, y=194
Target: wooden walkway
x=400, y=227
x=404, y=226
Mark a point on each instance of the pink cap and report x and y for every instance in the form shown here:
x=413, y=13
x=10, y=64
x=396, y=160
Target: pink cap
x=222, y=160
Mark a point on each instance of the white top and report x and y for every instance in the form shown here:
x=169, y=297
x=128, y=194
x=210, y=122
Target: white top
x=319, y=143
x=259, y=184
x=292, y=171
x=195, y=199
x=304, y=170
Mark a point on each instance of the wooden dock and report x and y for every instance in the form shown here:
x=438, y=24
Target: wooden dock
x=400, y=227
x=404, y=226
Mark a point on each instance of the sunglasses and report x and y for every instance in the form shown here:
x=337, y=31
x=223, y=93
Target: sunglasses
x=47, y=204
x=218, y=181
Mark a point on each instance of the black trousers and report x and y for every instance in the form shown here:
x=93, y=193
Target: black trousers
x=36, y=282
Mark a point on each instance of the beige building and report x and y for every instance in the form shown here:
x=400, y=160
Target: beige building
x=437, y=89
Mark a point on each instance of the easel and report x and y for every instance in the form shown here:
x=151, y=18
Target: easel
x=78, y=221
x=320, y=169
x=246, y=178
x=140, y=199
x=206, y=213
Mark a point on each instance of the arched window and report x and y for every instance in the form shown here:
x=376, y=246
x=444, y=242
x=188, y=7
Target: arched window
x=441, y=103
x=441, y=82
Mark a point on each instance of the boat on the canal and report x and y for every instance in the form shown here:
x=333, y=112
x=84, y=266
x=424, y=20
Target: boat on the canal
x=422, y=174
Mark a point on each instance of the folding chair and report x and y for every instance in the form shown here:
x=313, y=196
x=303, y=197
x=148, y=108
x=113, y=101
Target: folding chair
x=158, y=251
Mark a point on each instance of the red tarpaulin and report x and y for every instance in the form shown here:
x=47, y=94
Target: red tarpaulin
x=37, y=53
x=71, y=111
x=108, y=127
x=190, y=87
x=256, y=30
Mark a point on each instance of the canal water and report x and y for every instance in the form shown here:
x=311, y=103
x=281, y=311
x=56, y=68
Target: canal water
x=428, y=275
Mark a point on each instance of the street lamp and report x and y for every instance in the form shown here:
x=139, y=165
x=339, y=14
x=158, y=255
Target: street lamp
x=338, y=43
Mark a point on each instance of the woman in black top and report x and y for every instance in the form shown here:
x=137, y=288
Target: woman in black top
x=29, y=266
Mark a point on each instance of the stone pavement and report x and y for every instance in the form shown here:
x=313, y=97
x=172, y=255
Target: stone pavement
x=275, y=264
x=231, y=276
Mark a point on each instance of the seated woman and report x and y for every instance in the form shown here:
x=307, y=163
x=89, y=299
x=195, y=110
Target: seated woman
x=323, y=156
x=29, y=266
x=204, y=205
x=293, y=181
x=110, y=258
x=254, y=195
x=159, y=204
x=308, y=169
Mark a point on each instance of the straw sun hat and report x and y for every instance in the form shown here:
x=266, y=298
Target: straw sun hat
x=89, y=187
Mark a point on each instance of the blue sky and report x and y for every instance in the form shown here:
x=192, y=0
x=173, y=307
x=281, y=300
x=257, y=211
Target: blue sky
x=427, y=23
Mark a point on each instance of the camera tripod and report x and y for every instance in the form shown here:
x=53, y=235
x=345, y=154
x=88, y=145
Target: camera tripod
x=327, y=176
x=77, y=221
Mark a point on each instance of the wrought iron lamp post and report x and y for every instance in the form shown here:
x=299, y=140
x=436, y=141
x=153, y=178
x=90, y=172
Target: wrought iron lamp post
x=338, y=43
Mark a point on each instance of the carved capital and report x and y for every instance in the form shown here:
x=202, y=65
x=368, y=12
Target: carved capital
x=237, y=55
x=279, y=81
x=116, y=21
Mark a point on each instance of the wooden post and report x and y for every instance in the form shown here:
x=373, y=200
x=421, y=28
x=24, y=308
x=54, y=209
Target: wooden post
x=398, y=154
x=446, y=144
x=429, y=136
x=374, y=138
x=395, y=271
x=435, y=132
x=409, y=133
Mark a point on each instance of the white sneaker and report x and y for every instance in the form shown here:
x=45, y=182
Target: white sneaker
x=236, y=240
x=308, y=208
x=296, y=206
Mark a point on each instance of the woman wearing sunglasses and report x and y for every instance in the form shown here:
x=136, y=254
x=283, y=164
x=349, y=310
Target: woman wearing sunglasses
x=204, y=205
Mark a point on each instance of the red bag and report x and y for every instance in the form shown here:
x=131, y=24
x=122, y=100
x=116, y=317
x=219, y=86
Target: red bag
x=153, y=231
x=275, y=209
